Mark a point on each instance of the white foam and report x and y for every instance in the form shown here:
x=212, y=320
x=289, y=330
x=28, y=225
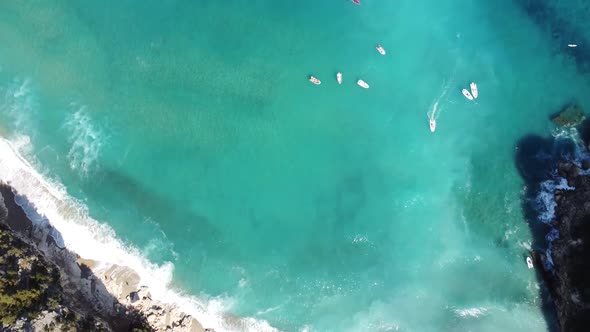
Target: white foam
x=470, y=312
x=86, y=141
x=271, y=309
x=97, y=241
x=546, y=198
x=18, y=104
x=546, y=205
x=360, y=238
x=550, y=237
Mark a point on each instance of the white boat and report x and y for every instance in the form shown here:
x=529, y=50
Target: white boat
x=314, y=80
x=467, y=94
x=529, y=262
x=473, y=90
x=432, y=125
x=381, y=49
x=572, y=45
x=362, y=84
x=339, y=77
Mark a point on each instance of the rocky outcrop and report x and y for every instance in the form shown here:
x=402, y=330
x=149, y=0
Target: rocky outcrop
x=556, y=205
x=74, y=290
x=571, y=116
x=31, y=295
x=571, y=251
x=123, y=284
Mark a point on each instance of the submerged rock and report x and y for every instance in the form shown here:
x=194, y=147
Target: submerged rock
x=571, y=116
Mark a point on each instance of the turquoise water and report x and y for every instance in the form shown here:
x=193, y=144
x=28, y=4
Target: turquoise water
x=190, y=129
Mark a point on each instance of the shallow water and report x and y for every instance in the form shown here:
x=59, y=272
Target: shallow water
x=191, y=130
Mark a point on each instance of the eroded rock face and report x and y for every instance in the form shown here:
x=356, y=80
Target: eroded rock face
x=571, y=252
x=123, y=283
x=33, y=296
x=572, y=115
x=109, y=299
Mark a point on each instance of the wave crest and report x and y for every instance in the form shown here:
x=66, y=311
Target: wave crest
x=86, y=141
x=91, y=239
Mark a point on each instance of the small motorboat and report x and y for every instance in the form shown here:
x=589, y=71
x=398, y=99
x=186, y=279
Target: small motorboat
x=572, y=45
x=362, y=84
x=381, y=49
x=356, y=2
x=473, y=90
x=339, y=77
x=432, y=125
x=467, y=94
x=529, y=262
x=314, y=80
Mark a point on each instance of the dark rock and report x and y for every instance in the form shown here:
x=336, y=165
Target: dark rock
x=567, y=170
x=133, y=297
x=16, y=218
x=570, y=116
x=571, y=252
x=586, y=164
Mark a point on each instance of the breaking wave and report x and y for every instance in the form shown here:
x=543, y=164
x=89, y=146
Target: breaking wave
x=470, y=312
x=545, y=200
x=18, y=104
x=75, y=229
x=86, y=141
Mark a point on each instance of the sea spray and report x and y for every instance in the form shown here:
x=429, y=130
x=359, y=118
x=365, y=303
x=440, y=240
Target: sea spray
x=93, y=240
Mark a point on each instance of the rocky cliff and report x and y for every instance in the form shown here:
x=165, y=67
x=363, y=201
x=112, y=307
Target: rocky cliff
x=571, y=250
x=556, y=204
x=46, y=287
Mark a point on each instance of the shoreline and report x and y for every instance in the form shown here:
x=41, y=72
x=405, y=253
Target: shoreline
x=556, y=204
x=569, y=246
x=108, y=293
x=57, y=222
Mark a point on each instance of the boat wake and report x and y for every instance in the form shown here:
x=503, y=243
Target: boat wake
x=435, y=111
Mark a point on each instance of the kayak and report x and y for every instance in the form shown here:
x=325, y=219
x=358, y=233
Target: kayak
x=381, y=49
x=314, y=80
x=467, y=94
x=432, y=125
x=362, y=84
x=356, y=2
x=339, y=77
x=474, y=90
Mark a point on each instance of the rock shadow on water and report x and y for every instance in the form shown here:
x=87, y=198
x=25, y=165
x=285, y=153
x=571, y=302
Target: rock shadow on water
x=561, y=30
x=535, y=158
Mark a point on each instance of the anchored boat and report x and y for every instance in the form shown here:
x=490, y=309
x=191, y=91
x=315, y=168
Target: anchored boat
x=473, y=87
x=467, y=94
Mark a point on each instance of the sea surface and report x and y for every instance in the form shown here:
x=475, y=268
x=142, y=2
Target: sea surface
x=183, y=139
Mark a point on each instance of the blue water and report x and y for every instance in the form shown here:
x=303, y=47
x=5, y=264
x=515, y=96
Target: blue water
x=190, y=129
